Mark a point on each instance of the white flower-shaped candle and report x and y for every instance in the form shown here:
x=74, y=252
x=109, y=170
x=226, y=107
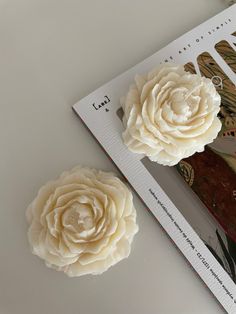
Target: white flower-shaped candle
x=169, y=114
x=83, y=222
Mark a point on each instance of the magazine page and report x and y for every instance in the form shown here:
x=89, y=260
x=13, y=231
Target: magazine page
x=194, y=201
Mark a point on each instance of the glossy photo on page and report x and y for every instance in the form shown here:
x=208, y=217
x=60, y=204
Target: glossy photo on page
x=212, y=173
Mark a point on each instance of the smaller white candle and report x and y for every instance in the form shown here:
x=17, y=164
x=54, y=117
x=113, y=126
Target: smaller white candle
x=170, y=114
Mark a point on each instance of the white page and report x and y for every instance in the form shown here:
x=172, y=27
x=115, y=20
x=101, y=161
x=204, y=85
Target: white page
x=180, y=222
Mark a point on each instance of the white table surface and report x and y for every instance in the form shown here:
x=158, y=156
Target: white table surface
x=52, y=53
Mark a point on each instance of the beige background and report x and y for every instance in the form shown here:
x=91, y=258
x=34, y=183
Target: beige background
x=52, y=53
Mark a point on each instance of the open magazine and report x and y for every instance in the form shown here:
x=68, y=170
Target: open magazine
x=195, y=202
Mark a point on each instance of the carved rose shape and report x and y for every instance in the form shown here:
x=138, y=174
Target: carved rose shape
x=83, y=222
x=169, y=114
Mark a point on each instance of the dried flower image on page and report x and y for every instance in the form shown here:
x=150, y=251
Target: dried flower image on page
x=212, y=173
